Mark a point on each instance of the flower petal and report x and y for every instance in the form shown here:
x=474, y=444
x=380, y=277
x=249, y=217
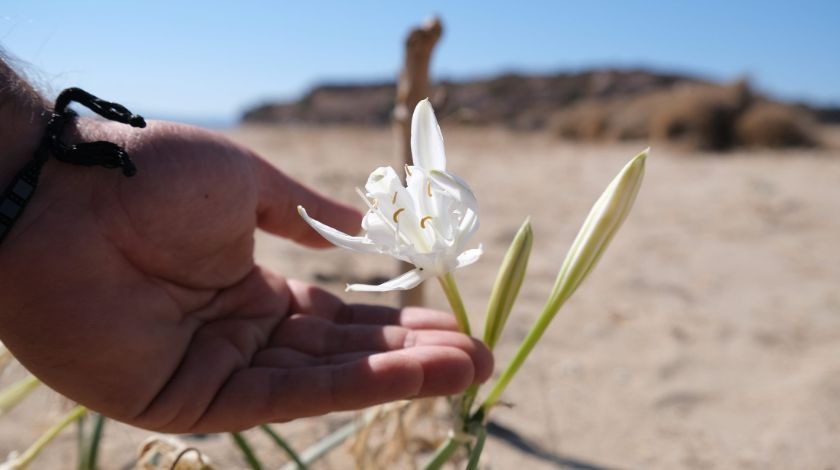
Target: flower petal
x=404, y=281
x=458, y=190
x=455, y=187
x=338, y=238
x=378, y=231
x=469, y=257
x=426, y=139
x=382, y=182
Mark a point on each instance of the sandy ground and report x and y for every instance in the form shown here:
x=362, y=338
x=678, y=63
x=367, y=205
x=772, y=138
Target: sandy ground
x=707, y=338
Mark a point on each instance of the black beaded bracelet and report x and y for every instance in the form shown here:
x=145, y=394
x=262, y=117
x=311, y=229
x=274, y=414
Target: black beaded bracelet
x=101, y=153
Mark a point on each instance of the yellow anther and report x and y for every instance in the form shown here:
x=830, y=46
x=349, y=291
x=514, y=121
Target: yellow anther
x=394, y=199
x=423, y=221
x=429, y=188
x=397, y=214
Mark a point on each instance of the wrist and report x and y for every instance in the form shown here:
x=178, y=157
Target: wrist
x=24, y=114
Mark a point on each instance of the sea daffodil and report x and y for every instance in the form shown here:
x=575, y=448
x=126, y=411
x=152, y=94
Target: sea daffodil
x=427, y=222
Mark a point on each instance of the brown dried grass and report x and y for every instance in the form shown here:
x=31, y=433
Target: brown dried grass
x=701, y=117
x=697, y=117
x=772, y=125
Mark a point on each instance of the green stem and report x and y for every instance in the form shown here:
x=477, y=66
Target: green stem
x=283, y=445
x=247, y=452
x=478, y=447
x=447, y=282
x=81, y=442
x=27, y=457
x=467, y=400
x=92, y=453
x=13, y=394
x=333, y=440
x=442, y=454
x=521, y=354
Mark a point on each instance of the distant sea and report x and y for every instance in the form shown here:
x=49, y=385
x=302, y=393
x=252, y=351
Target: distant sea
x=216, y=123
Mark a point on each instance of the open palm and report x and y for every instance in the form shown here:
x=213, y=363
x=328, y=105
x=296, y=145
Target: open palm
x=140, y=297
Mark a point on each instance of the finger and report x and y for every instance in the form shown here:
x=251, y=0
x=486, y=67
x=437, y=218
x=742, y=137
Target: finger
x=312, y=300
x=313, y=335
x=279, y=196
x=410, y=317
x=316, y=336
x=290, y=358
x=258, y=395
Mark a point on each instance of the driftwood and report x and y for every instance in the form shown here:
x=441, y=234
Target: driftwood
x=412, y=87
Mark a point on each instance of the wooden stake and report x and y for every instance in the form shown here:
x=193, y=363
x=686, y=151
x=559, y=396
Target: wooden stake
x=412, y=87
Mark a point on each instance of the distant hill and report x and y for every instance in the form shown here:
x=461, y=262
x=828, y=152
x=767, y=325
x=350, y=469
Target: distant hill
x=520, y=101
x=605, y=104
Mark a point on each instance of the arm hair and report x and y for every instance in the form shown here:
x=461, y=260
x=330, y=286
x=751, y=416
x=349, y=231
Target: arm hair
x=16, y=93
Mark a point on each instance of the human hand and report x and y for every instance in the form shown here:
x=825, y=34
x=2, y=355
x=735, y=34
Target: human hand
x=139, y=297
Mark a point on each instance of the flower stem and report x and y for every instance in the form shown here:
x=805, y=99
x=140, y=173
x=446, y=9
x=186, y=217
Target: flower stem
x=13, y=394
x=467, y=400
x=27, y=457
x=284, y=445
x=521, y=354
x=442, y=454
x=478, y=447
x=447, y=282
x=91, y=453
x=247, y=451
x=327, y=443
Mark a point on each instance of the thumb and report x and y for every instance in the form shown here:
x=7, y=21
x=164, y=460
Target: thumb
x=279, y=196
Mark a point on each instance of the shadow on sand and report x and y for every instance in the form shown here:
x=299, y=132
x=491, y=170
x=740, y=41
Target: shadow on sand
x=513, y=439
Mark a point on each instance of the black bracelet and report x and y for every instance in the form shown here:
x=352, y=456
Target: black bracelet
x=102, y=153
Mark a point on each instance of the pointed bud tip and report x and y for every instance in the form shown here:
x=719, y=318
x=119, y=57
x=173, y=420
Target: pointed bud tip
x=637, y=162
x=526, y=229
x=424, y=105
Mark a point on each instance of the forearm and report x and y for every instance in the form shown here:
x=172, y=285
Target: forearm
x=23, y=116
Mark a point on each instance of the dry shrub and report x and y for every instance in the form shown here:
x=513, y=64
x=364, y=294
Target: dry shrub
x=586, y=120
x=630, y=119
x=696, y=116
x=701, y=117
x=767, y=124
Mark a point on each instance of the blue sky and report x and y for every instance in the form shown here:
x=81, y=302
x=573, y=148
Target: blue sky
x=210, y=60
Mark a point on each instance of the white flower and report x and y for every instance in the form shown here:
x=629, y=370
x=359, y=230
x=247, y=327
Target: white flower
x=427, y=222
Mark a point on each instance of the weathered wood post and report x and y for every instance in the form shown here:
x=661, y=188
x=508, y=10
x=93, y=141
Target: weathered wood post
x=412, y=87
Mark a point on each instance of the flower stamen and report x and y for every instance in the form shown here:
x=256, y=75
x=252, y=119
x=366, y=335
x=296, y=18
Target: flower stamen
x=436, y=246
x=363, y=196
x=374, y=208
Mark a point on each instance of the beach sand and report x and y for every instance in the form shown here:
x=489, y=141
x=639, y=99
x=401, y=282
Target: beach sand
x=707, y=338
